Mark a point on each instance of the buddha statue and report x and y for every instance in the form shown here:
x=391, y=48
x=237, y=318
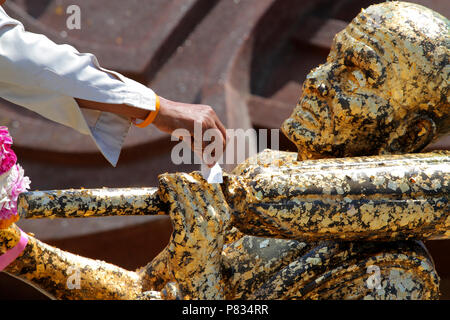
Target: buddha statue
x=340, y=219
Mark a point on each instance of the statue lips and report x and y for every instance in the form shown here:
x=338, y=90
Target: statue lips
x=310, y=123
x=305, y=114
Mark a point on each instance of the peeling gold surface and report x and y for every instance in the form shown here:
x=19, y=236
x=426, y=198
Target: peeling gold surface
x=252, y=261
x=199, y=214
x=388, y=197
x=383, y=90
x=10, y=237
x=196, y=265
x=340, y=271
x=340, y=268
x=54, y=272
x=81, y=203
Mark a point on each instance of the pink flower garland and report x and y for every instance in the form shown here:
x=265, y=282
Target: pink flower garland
x=7, y=157
x=12, y=180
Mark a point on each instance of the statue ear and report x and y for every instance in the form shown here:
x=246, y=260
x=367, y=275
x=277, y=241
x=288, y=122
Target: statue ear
x=418, y=134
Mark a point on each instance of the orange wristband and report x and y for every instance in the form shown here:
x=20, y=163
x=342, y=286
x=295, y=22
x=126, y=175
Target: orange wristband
x=150, y=118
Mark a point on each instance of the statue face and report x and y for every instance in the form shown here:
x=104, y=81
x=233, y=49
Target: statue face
x=382, y=89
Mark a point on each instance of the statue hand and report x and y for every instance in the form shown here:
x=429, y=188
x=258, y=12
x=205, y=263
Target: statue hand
x=199, y=216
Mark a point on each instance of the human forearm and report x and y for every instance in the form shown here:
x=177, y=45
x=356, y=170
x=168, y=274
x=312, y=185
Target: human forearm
x=172, y=115
x=56, y=85
x=48, y=83
x=121, y=109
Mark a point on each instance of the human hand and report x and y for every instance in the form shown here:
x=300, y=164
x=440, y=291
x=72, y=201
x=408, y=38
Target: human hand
x=176, y=115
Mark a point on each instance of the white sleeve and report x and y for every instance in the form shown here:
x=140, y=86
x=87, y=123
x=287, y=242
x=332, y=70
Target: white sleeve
x=45, y=77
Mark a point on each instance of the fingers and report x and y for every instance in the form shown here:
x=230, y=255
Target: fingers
x=208, y=134
x=213, y=147
x=195, y=259
x=222, y=129
x=208, y=141
x=166, y=183
x=215, y=139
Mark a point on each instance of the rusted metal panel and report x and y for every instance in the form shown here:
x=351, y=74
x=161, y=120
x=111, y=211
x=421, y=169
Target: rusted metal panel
x=319, y=32
x=267, y=113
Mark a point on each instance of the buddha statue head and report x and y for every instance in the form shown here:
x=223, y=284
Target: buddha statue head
x=383, y=89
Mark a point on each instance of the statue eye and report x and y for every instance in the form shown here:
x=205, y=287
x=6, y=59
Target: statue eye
x=365, y=71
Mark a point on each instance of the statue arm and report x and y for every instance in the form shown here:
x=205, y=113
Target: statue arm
x=83, y=203
x=189, y=267
x=366, y=198
x=63, y=275
x=379, y=197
